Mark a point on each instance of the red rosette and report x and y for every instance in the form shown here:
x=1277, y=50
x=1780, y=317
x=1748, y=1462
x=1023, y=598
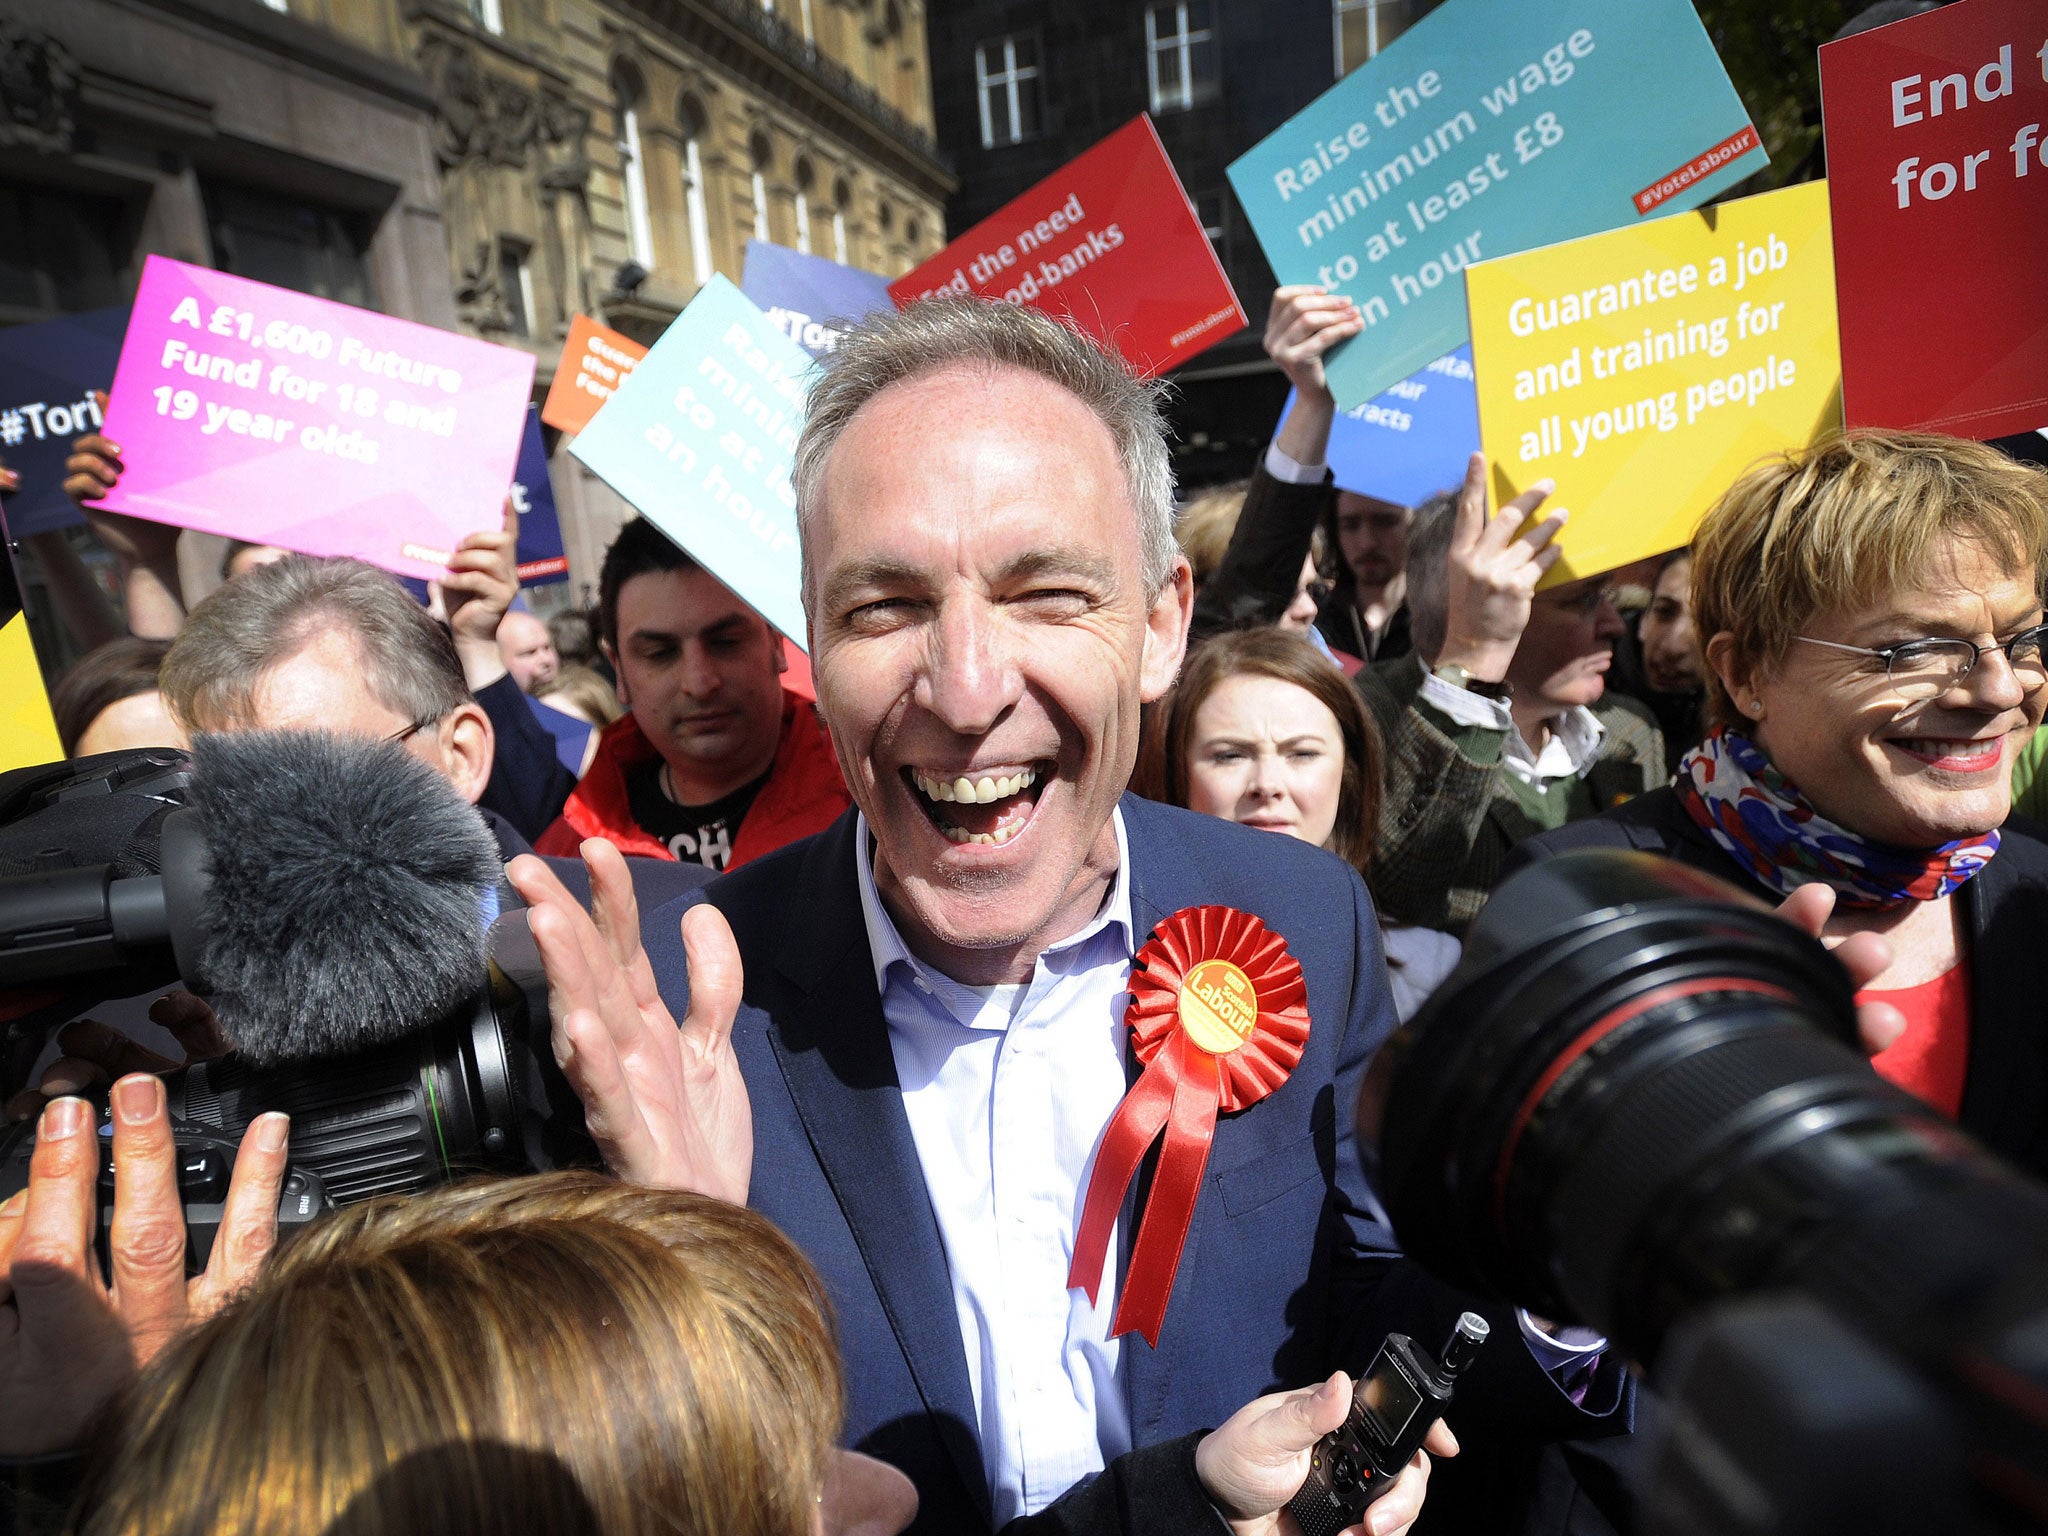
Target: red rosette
x=1219, y=1016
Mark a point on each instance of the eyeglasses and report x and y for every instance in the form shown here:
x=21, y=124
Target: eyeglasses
x=399, y=737
x=1581, y=605
x=1926, y=669
x=1320, y=590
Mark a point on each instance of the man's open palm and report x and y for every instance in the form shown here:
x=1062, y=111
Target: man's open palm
x=665, y=1104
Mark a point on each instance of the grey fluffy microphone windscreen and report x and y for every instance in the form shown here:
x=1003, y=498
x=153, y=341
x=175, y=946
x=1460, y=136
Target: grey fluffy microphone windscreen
x=346, y=898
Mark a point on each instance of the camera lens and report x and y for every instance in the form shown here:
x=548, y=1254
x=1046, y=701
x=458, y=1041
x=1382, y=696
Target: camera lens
x=1591, y=1096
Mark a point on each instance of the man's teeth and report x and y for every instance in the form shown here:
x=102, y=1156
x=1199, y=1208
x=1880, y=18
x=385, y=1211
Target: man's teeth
x=1927, y=746
x=983, y=791
x=994, y=839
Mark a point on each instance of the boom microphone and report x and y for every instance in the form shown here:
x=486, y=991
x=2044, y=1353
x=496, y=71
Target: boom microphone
x=341, y=908
x=325, y=893
x=348, y=891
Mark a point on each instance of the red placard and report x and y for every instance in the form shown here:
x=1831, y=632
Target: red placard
x=1110, y=241
x=595, y=362
x=1937, y=144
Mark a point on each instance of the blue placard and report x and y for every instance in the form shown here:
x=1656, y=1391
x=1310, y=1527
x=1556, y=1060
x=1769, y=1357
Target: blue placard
x=1487, y=128
x=809, y=299
x=542, y=558
x=701, y=438
x=48, y=372
x=1411, y=442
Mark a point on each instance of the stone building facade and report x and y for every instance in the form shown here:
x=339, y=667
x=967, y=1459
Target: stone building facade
x=490, y=165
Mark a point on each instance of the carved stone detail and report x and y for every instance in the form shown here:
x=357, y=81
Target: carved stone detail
x=38, y=91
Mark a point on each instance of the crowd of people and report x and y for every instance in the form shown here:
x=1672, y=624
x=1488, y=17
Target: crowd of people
x=861, y=964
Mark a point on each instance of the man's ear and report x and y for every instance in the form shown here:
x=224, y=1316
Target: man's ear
x=468, y=748
x=611, y=656
x=1166, y=631
x=1737, y=672
x=781, y=649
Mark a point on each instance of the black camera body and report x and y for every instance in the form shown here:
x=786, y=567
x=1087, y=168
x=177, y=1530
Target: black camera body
x=1393, y=1405
x=206, y=1163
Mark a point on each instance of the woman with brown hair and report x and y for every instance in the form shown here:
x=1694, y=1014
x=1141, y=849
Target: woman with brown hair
x=1263, y=730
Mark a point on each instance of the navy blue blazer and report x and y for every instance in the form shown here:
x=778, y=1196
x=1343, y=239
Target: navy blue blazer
x=1284, y=1276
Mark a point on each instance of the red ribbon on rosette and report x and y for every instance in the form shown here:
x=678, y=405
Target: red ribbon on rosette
x=1219, y=1016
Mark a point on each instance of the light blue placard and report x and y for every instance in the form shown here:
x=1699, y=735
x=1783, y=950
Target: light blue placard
x=1409, y=443
x=1487, y=128
x=701, y=438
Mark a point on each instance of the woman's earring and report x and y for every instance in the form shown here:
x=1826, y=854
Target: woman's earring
x=1756, y=708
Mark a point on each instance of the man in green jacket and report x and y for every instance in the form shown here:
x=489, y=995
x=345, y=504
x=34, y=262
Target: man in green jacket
x=1498, y=726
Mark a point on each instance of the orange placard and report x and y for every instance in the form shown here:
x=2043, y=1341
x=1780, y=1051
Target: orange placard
x=595, y=362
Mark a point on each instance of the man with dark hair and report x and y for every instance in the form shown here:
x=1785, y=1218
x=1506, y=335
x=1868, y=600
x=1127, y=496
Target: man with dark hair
x=714, y=763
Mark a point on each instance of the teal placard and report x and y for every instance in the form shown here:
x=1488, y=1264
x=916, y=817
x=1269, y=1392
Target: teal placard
x=1489, y=127
x=700, y=438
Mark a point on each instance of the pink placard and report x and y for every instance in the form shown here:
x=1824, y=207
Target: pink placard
x=267, y=415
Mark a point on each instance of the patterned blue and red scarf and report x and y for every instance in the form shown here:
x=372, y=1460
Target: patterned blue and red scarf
x=1759, y=819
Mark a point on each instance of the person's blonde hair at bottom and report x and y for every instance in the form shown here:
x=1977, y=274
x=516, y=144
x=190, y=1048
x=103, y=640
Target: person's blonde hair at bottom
x=551, y=1355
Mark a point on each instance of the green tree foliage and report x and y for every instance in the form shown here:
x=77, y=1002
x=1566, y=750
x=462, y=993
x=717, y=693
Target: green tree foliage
x=1770, y=48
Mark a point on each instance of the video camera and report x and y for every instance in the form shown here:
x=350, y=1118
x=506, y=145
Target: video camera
x=344, y=912
x=1639, y=1104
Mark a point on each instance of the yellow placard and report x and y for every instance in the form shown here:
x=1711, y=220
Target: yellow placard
x=1643, y=369
x=27, y=733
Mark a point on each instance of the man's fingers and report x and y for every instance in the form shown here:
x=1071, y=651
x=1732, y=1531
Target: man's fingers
x=193, y=1024
x=511, y=524
x=1440, y=1441
x=104, y=1047
x=588, y=1057
x=1879, y=1026
x=716, y=979
x=248, y=1223
x=1471, y=512
x=612, y=901
x=1395, y=1510
x=1809, y=907
x=48, y=1267
x=146, y=1247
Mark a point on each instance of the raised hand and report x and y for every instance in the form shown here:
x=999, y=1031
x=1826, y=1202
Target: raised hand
x=666, y=1104
x=1492, y=574
x=1302, y=323
x=482, y=581
x=68, y=1339
x=1259, y=1459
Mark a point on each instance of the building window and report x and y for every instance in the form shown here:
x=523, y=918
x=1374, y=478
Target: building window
x=1211, y=210
x=806, y=180
x=1006, y=75
x=760, y=151
x=290, y=244
x=489, y=14
x=695, y=204
x=633, y=167
x=60, y=252
x=842, y=194
x=515, y=286
x=1365, y=27
x=1180, y=54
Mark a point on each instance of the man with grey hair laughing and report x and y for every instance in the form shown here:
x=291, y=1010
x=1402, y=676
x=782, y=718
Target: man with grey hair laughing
x=909, y=1039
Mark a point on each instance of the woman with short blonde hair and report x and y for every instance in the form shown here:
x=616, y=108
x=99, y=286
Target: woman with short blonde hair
x=1870, y=612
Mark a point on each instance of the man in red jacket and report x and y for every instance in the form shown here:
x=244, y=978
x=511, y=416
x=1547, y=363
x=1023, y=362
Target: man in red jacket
x=714, y=763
